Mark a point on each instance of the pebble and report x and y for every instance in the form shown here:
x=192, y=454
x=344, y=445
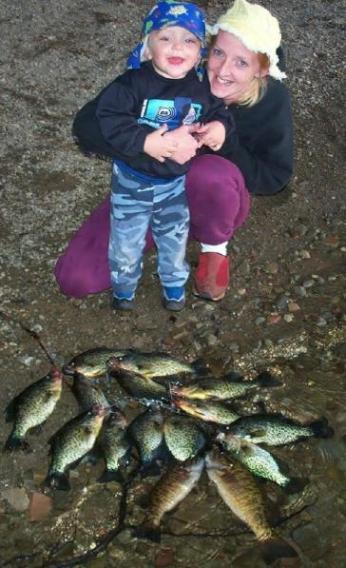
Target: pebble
x=282, y=302
x=309, y=283
x=40, y=506
x=300, y=291
x=260, y=320
x=17, y=498
x=293, y=307
x=288, y=318
x=273, y=319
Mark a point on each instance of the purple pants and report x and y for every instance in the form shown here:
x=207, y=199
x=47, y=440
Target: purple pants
x=218, y=201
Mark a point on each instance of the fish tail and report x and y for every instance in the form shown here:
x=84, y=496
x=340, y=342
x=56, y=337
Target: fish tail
x=110, y=475
x=58, y=480
x=321, y=428
x=296, y=485
x=148, y=532
x=15, y=442
x=277, y=547
x=265, y=379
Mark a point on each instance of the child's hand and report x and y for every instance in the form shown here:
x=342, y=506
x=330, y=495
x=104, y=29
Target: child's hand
x=158, y=146
x=212, y=134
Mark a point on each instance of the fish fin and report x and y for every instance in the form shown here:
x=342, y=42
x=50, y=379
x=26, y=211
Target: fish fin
x=199, y=366
x=110, y=475
x=234, y=377
x=57, y=480
x=321, y=428
x=148, y=532
x=14, y=442
x=149, y=469
x=10, y=410
x=296, y=484
x=275, y=548
x=266, y=379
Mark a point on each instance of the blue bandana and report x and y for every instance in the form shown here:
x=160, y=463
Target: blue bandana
x=169, y=13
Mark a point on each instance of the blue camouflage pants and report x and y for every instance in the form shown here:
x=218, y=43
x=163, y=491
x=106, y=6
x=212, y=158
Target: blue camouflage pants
x=136, y=205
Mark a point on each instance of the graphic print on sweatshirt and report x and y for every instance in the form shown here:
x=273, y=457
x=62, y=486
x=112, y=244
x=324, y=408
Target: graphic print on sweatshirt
x=173, y=112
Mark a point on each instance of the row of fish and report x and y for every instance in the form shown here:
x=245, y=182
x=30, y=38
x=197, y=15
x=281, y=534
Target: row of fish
x=188, y=425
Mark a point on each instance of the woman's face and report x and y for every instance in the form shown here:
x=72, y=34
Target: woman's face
x=231, y=68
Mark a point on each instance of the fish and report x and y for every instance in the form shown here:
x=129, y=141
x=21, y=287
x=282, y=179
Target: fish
x=115, y=446
x=146, y=431
x=210, y=411
x=257, y=460
x=32, y=407
x=156, y=365
x=276, y=430
x=72, y=442
x=240, y=492
x=175, y=484
x=87, y=393
x=137, y=385
x=184, y=438
x=92, y=363
x=223, y=388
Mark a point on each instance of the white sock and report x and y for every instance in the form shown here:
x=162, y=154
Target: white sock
x=220, y=249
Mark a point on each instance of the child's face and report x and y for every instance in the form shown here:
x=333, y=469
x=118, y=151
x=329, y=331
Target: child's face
x=174, y=51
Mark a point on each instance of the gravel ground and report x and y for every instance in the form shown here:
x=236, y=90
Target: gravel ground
x=286, y=307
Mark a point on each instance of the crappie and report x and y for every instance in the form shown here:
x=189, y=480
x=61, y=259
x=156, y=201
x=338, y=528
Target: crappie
x=257, y=460
x=223, y=388
x=183, y=437
x=170, y=490
x=87, y=393
x=275, y=430
x=115, y=445
x=238, y=489
x=137, y=385
x=146, y=430
x=156, y=365
x=92, y=363
x=210, y=411
x=32, y=407
x=75, y=439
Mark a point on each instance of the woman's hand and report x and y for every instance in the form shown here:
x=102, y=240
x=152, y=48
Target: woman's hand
x=159, y=146
x=185, y=144
x=212, y=134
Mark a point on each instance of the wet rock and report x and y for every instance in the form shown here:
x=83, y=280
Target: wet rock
x=40, y=506
x=17, y=498
x=311, y=541
x=273, y=319
x=165, y=557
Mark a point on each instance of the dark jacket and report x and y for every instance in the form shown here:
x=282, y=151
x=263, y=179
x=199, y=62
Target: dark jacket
x=263, y=148
x=139, y=101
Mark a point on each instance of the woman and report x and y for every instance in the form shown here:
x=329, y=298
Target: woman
x=243, y=70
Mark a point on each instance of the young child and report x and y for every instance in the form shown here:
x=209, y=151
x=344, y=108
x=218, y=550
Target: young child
x=162, y=90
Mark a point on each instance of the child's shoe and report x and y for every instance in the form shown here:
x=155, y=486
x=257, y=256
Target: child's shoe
x=173, y=298
x=123, y=301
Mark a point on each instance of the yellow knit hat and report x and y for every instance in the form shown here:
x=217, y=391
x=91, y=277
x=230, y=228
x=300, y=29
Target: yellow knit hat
x=256, y=28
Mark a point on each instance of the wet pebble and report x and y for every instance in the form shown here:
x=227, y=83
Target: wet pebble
x=17, y=498
x=40, y=506
x=164, y=557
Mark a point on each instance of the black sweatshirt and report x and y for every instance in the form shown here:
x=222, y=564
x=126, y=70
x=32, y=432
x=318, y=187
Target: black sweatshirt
x=263, y=146
x=140, y=100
